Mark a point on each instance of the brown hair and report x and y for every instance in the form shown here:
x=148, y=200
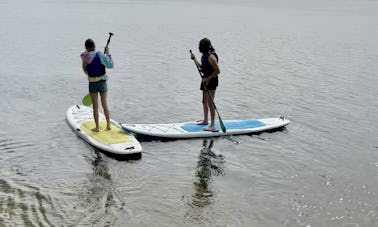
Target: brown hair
x=205, y=45
x=90, y=45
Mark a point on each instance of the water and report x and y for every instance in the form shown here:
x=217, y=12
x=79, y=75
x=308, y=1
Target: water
x=313, y=61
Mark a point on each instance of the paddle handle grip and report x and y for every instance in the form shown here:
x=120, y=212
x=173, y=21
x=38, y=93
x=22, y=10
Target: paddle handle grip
x=107, y=43
x=195, y=62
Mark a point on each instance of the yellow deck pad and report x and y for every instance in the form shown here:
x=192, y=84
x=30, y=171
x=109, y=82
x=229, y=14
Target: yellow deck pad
x=114, y=136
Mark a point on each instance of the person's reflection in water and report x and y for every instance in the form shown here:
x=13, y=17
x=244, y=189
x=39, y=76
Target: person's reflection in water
x=103, y=181
x=208, y=166
x=98, y=200
x=99, y=167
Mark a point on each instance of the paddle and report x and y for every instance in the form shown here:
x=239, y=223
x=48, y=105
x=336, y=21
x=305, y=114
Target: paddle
x=211, y=97
x=107, y=43
x=87, y=101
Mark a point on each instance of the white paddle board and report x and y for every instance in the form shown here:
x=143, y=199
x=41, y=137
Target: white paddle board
x=114, y=141
x=193, y=130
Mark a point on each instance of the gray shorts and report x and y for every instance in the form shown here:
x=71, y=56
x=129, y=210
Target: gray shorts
x=99, y=86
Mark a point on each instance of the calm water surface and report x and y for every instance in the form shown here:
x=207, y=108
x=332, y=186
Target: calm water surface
x=313, y=61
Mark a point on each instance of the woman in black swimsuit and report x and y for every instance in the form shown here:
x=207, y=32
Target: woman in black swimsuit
x=210, y=70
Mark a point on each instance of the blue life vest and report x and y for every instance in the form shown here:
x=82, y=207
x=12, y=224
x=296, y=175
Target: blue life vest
x=206, y=68
x=96, y=68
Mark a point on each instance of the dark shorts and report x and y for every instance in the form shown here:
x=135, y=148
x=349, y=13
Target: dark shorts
x=212, y=85
x=99, y=86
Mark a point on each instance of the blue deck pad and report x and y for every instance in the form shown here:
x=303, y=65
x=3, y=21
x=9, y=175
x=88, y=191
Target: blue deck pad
x=229, y=125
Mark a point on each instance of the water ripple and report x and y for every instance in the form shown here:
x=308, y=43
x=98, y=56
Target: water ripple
x=24, y=203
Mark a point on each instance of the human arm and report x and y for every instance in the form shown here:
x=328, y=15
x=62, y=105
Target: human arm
x=84, y=65
x=106, y=59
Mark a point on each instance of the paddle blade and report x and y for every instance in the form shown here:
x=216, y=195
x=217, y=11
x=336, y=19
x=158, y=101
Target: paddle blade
x=87, y=100
x=222, y=126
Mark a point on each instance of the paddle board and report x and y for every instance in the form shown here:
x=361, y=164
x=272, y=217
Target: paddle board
x=115, y=141
x=193, y=130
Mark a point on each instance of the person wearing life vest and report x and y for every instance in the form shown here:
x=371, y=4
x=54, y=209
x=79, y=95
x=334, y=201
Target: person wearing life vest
x=210, y=70
x=94, y=64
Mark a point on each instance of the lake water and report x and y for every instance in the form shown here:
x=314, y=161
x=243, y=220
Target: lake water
x=314, y=62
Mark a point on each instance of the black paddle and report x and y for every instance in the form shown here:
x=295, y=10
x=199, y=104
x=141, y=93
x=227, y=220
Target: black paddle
x=107, y=43
x=211, y=97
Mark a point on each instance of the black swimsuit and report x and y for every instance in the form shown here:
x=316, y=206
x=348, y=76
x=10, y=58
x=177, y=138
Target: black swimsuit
x=207, y=70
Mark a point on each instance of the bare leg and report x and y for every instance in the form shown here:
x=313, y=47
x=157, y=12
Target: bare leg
x=205, y=100
x=212, y=111
x=106, y=110
x=94, y=98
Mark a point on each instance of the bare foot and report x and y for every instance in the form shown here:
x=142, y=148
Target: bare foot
x=210, y=129
x=95, y=129
x=108, y=128
x=202, y=123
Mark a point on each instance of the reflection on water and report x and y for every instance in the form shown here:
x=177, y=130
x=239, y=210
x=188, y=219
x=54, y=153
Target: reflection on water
x=209, y=165
x=97, y=199
x=99, y=167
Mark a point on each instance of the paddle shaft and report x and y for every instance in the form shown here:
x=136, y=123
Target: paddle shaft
x=107, y=43
x=211, y=97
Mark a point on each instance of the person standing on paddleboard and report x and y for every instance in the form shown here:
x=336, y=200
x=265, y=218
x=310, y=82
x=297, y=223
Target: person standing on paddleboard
x=94, y=64
x=210, y=70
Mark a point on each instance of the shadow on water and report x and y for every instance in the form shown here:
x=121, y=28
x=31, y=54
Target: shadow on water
x=209, y=166
x=129, y=157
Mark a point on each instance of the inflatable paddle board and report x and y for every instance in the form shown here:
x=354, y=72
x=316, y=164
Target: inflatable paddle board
x=115, y=141
x=193, y=130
